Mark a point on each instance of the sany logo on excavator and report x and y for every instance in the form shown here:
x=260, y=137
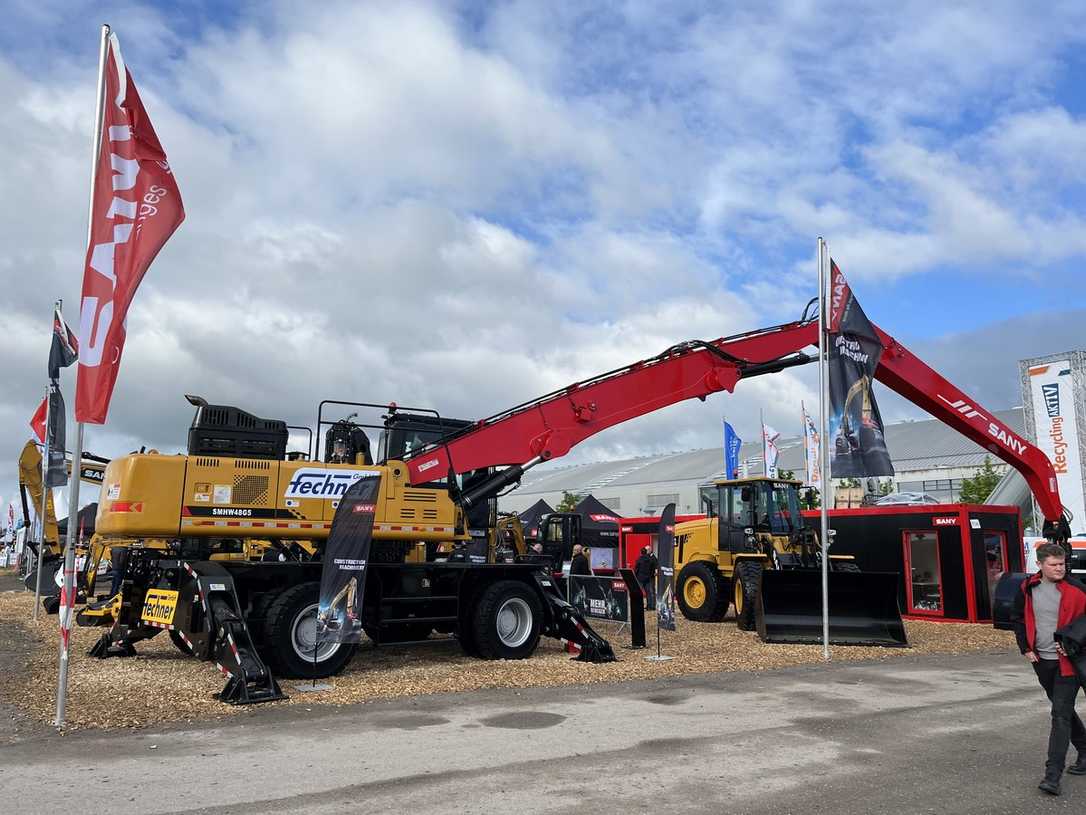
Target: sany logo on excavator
x=1008, y=439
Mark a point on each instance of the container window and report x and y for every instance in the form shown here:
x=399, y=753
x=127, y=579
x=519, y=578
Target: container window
x=925, y=583
x=995, y=554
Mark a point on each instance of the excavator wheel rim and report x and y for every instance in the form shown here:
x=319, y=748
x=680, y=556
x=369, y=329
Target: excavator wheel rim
x=694, y=591
x=303, y=635
x=738, y=592
x=514, y=622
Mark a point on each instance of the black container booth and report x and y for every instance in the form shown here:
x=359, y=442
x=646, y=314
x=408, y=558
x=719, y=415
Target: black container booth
x=949, y=556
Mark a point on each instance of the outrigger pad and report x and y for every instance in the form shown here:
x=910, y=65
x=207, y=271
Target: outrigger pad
x=240, y=692
x=864, y=608
x=105, y=647
x=593, y=651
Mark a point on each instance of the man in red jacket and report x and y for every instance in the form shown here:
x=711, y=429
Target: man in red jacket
x=1050, y=600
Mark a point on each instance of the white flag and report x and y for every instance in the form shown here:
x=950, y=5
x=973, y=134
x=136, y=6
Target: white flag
x=769, y=442
x=810, y=449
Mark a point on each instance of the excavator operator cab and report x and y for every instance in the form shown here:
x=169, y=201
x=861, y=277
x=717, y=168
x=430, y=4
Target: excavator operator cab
x=346, y=443
x=405, y=433
x=558, y=532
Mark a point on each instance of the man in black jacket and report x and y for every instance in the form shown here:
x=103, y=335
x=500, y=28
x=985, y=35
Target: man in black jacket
x=579, y=564
x=1050, y=600
x=645, y=572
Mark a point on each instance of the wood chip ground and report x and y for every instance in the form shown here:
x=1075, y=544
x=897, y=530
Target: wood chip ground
x=161, y=685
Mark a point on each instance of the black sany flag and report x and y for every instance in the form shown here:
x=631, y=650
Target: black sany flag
x=64, y=349
x=665, y=554
x=855, y=425
x=346, y=554
x=56, y=474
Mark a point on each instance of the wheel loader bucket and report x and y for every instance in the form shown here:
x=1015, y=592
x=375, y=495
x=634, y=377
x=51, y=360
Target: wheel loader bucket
x=864, y=608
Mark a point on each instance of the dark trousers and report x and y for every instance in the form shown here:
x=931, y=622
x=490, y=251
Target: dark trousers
x=649, y=590
x=1067, y=727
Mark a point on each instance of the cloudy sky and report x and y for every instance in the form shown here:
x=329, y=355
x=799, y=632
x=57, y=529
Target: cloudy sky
x=465, y=205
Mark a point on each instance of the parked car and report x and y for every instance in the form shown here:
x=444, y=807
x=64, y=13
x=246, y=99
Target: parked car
x=907, y=498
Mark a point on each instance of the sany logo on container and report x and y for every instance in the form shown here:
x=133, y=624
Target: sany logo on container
x=315, y=482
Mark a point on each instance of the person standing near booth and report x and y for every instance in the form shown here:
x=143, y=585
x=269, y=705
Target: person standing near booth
x=1049, y=600
x=645, y=572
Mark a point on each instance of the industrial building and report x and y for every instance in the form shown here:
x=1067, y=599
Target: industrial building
x=928, y=457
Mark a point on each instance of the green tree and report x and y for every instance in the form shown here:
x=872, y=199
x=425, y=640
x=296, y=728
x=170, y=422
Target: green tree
x=786, y=475
x=810, y=498
x=976, y=490
x=569, y=502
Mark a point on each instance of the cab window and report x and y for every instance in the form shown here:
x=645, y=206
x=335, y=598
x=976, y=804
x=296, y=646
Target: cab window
x=742, y=506
x=783, y=513
x=710, y=501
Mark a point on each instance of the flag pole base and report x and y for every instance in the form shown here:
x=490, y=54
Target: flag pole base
x=658, y=658
x=314, y=688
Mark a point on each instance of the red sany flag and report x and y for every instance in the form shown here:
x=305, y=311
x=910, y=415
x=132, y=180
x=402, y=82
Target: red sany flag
x=136, y=208
x=37, y=421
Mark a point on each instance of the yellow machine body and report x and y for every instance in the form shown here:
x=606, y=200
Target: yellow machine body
x=30, y=477
x=157, y=496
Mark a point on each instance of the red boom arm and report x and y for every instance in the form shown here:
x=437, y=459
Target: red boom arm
x=551, y=425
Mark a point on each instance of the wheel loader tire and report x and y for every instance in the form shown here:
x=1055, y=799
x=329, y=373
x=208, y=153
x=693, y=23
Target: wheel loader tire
x=289, y=631
x=845, y=566
x=747, y=579
x=507, y=621
x=182, y=646
x=702, y=593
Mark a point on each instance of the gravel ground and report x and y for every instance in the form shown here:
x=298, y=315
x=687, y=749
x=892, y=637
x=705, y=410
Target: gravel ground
x=161, y=685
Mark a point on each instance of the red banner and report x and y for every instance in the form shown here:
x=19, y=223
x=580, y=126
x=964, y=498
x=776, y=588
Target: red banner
x=136, y=208
x=37, y=421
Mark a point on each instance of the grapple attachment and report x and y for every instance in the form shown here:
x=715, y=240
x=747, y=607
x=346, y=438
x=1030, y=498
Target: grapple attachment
x=864, y=608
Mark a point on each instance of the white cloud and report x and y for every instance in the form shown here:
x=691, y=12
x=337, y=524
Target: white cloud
x=468, y=208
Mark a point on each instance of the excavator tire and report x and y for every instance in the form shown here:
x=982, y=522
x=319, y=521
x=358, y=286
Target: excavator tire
x=703, y=593
x=287, y=629
x=507, y=622
x=747, y=580
x=466, y=637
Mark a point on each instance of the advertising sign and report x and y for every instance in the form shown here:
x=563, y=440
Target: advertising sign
x=855, y=424
x=1052, y=395
x=604, y=598
x=343, y=575
x=665, y=553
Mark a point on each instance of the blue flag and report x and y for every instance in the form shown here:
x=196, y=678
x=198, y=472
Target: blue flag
x=732, y=443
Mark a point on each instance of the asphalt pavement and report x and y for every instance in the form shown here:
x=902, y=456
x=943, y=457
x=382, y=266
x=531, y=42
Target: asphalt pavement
x=953, y=734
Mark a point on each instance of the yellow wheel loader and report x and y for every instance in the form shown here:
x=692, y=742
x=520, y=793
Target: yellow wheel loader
x=50, y=541
x=753, y=551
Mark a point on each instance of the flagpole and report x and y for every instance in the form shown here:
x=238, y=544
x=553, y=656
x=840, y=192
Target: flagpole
x=45, y=490
x=823, y=449
x=765, y=454
x=68, y=592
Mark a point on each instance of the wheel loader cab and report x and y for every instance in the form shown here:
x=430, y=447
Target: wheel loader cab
x=748, y=512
